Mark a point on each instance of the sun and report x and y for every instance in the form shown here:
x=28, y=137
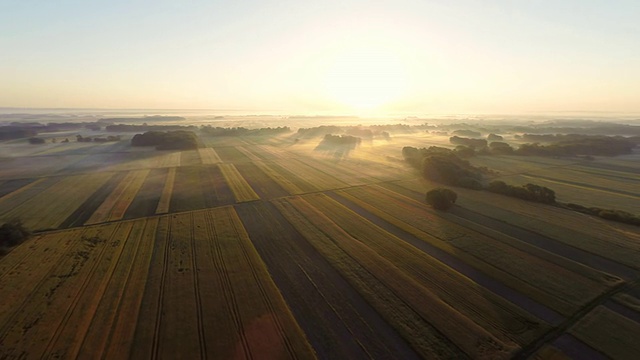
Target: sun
x=365, y=79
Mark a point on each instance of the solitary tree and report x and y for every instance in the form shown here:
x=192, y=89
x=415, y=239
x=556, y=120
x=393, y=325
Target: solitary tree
x=441, y=198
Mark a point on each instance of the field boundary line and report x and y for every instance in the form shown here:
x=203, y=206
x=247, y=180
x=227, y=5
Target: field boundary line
x=156, y=342
x=196, y=288
x=558, y=331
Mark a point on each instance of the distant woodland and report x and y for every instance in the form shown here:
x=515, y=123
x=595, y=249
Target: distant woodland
x=170, y=140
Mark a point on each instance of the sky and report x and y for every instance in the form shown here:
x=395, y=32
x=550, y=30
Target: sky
x=347, y=56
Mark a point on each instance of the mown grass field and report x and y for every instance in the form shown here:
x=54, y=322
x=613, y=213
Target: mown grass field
x=267, y=248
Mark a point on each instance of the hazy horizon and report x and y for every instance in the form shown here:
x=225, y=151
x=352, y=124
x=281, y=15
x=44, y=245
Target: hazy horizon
x=340, y=57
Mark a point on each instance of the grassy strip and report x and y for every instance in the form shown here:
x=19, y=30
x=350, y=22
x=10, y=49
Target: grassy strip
x=407, y=225
x=190, y=158
x=270, y=328
x=621, y=339
x=500, y=317
x=209, y=156
x=165, y=198
x=472, y=339
x=422, y=336
x=241, y=189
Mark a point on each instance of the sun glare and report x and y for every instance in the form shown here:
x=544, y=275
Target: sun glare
x=365, y=79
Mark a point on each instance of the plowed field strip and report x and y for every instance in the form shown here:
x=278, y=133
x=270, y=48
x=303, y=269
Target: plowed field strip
x=148, y=197
x=423, y=337
x=84, y=211
x=515, y=297
x=25, y=193
x=550, y=277
x=249, y=154
x=339, y=323
x=280, y=177
x=264, y=186
x=623, y=310
x=131, y=182
x=624, y=345
x=216, y=190
x=576, y=349
x=321, y=180
x=384, y=208
x=460, y=330
x=254, y=308
x=10, y=186
x=229, y=154
x=122, y=204
x=165, y=198
x=190, y=158
x=501, y=318
x=240, y=187
x=340, y=171
x=187, y=191
x=617, y=243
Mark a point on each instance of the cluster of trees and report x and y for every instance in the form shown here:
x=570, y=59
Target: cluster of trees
x=340, y=140
x=36, y=141
x=529, y=192
x=171, y=140
x=319, y=131
x=109, y=138
x=142, y=119
x=591, y=145
x=445, y=166
x=473, y=143
x=467, y=132
x=561, y=145
x=241, y=131
x=12, y=233
x=494, y=137
x=146, y=127
x=441, y=198
x=609, y=214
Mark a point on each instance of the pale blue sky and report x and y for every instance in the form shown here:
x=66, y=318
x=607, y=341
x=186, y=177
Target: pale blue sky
x=423, y=56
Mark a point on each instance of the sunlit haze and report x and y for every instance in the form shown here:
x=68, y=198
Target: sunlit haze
x=322, y=56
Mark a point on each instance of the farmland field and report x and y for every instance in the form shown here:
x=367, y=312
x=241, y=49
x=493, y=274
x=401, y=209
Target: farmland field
x=266, y=247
